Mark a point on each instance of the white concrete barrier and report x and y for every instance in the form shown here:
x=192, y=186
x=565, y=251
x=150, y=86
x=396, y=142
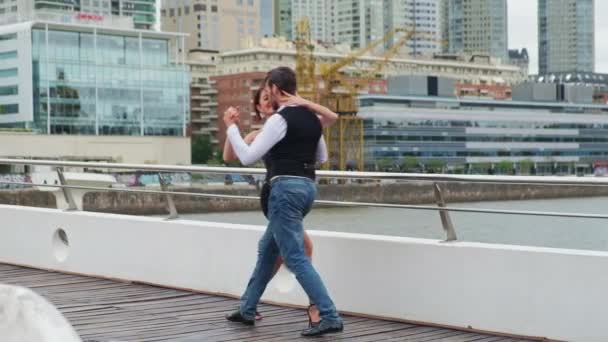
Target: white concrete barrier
x=27, y=317
x=553, y=293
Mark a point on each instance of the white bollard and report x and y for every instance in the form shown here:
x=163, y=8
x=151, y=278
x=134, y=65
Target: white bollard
x=27, y=317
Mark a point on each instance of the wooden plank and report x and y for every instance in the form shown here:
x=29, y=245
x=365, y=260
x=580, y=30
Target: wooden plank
x=102, y=309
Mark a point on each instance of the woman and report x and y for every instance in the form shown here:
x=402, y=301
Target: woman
x=263, y=106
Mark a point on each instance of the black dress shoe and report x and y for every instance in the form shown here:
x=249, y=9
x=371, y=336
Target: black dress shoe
x=238, y=318
x=323, y=328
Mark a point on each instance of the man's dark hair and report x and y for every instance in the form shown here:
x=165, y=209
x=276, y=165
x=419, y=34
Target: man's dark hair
x=284, y=78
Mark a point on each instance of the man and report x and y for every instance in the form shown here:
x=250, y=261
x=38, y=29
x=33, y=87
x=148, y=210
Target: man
x=292, y=138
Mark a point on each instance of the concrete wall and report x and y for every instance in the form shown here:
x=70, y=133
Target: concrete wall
x=542, y=292
x=400, y=193
x=578, y=94
x=411, y=85
x=125, y=149
x=535, y=92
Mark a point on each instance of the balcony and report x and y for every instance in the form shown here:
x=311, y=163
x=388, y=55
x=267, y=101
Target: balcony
x=202, y=119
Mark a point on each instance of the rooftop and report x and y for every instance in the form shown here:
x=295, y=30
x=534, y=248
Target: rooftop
x=486, y=102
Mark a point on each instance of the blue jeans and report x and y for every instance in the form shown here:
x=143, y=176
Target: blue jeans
x=290, y=200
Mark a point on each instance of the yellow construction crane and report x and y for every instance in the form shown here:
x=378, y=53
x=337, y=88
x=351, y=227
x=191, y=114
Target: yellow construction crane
x=341, y=102
x=305, y=61
x=363, y=80
x=345, y=138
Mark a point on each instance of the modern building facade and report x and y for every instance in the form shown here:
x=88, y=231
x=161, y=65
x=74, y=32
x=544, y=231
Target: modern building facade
x=357, y=23
x=347, y=22
x=219, y=25
x=566, y=38
x=462, y=136
x=203, y=94
x=421, y=16
x=478, y=27
x=283, y=26
x=65, y=78
x=141, y=12
x=265, y=54
x=267, y=18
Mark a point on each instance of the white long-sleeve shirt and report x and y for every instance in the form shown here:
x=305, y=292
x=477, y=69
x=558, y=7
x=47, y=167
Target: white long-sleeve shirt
x=272, y=132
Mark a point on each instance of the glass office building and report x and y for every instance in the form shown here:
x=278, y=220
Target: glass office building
x=73, y=79
x=466, y=133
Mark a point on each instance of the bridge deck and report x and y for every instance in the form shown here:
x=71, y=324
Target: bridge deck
x=104, y=310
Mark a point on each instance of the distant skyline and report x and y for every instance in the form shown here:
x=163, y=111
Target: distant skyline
x=523, y=32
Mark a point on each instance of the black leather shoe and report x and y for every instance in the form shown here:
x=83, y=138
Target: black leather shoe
x=238, y=318
x=323, y=328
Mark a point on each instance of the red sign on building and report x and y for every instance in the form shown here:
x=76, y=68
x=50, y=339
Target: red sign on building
x=89, y=16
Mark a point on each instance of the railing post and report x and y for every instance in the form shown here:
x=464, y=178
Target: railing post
x=170, y=204
x=67, y=193
x=446, y=221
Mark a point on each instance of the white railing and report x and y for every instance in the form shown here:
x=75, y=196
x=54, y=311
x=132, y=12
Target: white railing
x=436, y=179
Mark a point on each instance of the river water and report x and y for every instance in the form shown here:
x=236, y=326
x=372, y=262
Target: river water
x=574, y=233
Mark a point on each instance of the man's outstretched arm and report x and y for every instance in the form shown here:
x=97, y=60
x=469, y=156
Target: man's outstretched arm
x=273, y=131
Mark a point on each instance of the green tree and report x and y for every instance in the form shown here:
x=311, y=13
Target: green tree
x=384, y=163
x=410, y=163
x=505, y=166
x=435, y=166
x=525, y=166
x=201, y=149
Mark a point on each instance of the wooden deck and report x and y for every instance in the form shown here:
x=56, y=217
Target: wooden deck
x=103, y=311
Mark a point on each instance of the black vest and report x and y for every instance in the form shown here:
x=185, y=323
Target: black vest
x=295, y=154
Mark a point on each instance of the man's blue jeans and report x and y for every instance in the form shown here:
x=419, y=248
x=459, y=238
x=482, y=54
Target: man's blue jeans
x=291, y=199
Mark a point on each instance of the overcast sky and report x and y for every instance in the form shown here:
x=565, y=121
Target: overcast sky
x=523, y=31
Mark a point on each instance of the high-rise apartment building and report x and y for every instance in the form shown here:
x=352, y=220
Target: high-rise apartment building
x=423, y=17
x=289, y=12
x=566, y=39
x=282, y=19
x=360, y=22
x=478, y=27
x=212, y=24
x=267, y=18
x=142, y=12
x=347, y=23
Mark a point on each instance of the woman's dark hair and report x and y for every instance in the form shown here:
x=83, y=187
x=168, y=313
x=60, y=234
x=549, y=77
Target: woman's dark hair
x=256, y=102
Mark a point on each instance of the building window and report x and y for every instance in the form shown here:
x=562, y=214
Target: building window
x=163, y=12
x=186, y=10
x=12, y=72
x=8, y=55
x=172, y=12
x=9, y=109
x=9, y=90
x=214, y=8
x=200, y=8
x=8, y=36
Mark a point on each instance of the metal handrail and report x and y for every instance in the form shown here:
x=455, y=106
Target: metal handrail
x=327, y=202
x=540, y=180
x=435, y=178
